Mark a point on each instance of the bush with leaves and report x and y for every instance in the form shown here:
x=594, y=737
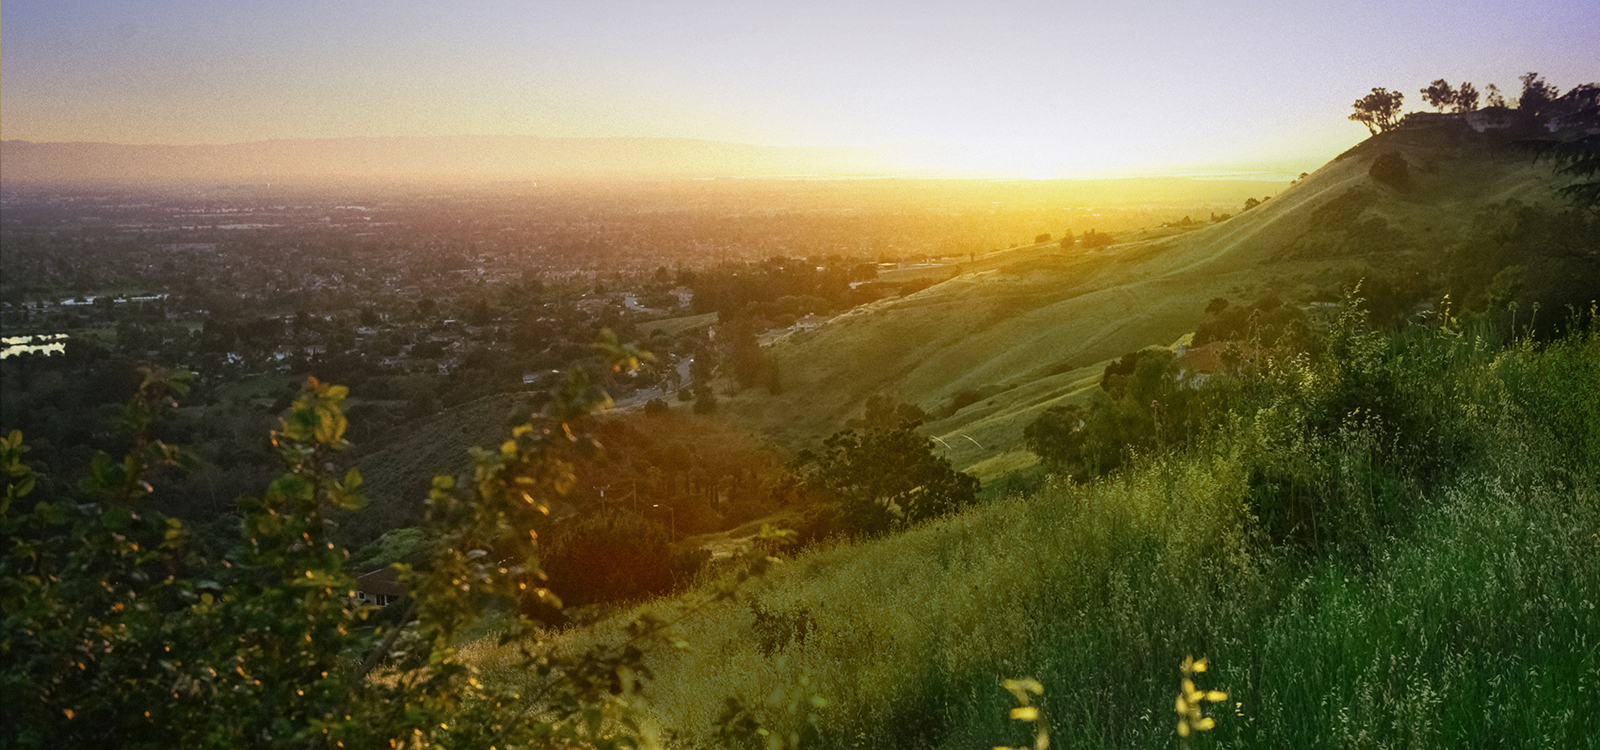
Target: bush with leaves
x=886, y=479
x=611, y=556
x=1145, y=405
x=883, y=411
x=1340, y=439
x=1056, y=436
x=1391, y=169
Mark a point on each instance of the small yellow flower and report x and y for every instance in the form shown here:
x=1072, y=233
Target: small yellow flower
x=1190, y=698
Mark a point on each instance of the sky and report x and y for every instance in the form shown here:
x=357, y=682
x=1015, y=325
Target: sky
x=1066, y=88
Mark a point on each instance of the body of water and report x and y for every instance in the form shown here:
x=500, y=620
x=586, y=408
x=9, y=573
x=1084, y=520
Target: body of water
x=48, y=343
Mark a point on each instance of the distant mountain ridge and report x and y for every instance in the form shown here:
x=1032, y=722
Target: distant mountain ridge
x=431, y=157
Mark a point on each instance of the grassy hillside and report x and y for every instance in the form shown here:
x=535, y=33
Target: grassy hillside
x=1426, y=579
x=1032, y=327
x=398, y=475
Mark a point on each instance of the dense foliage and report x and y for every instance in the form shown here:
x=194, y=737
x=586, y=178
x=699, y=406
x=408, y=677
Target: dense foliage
x=118, y=631
x=1388, y=541
x=887, y=479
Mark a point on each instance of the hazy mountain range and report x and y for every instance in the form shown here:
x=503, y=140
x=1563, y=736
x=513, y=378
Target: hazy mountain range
x=444, y=157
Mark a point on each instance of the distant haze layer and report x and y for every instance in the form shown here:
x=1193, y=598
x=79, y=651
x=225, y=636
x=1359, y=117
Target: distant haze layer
x=445, y=157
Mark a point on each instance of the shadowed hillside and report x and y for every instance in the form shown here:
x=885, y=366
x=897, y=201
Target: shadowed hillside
x=1035, y=326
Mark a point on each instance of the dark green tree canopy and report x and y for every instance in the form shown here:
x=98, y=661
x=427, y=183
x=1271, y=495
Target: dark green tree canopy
x=886, y=412
x=1379, y=110
x=1536, y=94
x=1056, y=436
x=884, y=479
x=1577, y=158
x=1439, y=94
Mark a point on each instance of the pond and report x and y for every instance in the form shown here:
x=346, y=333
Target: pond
x=47, y=344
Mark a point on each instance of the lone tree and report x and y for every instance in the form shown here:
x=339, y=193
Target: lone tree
x=1466, y=97
x=1577, y=158
x=886, y=479
x=1056, y=437
x=1379, y=110
x=1439, y=94
x=1492, y=96
x=1536, y=94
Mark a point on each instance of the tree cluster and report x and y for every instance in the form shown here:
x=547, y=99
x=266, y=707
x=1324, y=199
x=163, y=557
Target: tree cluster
x=1093, y=239
x=1143, y=405
x=1380, y=110
x=886, y=479
x=1441, y=95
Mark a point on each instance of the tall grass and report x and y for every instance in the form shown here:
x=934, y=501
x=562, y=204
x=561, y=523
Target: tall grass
x=1396, y=544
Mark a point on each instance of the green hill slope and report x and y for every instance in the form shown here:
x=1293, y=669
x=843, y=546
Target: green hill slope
x=399, y=472
x=1404, y=592
x=1035, y=326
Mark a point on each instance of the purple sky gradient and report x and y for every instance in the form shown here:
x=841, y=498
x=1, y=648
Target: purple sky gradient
x=1063, y=88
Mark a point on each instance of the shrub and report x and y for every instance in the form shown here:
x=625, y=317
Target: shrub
x=406, y=545
x=777, y=629
x=883, y=411
x=964, y=398
x=885, y=479
x=1056, y=436
x=1391, y=169
x=615, y=556
x=1092, y=239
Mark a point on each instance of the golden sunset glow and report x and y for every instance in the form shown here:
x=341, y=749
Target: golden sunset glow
x=1020, y=88
x=823, y=374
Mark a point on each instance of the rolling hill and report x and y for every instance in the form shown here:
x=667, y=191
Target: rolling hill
x=1035, y=326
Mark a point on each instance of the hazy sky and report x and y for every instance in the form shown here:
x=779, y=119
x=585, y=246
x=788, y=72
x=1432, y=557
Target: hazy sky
x=1035, y=88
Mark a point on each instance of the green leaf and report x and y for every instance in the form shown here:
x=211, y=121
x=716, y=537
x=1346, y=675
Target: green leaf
x=347, y=494
x=352, y=479
x=331, y=425
x=180, y=381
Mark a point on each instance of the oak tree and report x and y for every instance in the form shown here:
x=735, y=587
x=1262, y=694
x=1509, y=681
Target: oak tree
x=1439, y=94
x=1379, y=110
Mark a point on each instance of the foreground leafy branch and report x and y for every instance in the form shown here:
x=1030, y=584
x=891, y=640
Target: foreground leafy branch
x=118, y=631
